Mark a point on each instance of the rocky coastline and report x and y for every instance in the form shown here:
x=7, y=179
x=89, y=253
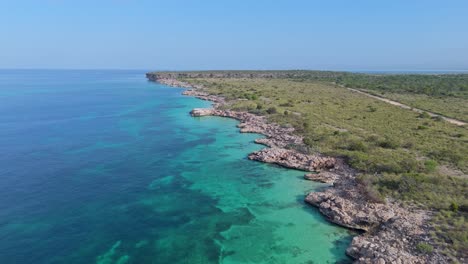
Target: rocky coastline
x=391, y=231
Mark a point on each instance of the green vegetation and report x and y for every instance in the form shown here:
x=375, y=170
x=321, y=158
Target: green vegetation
x=400, y=153
x=446, y=94
x=449, y=106
x=424, y=248
x=455, y=85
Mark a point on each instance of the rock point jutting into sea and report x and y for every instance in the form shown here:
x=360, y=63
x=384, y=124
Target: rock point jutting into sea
x=392, y=231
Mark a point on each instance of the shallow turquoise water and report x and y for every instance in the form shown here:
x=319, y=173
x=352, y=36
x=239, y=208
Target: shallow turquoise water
x=105, y=167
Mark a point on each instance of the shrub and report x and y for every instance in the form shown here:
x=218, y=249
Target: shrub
x=407, y=145
x=452, y=156
x=430, y=165
x=271, y=110
x=424, y=115
x=356, y=146
x=463, y=208
x=424, y=248
x=366, y=187
x=372, y=108
x=388, y=143
x=308, y=141
x=454, y=207
x=288, y=104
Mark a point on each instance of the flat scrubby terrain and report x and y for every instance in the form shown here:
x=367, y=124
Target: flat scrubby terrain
x=400, y=154
x=449, y=106
x=445, y=94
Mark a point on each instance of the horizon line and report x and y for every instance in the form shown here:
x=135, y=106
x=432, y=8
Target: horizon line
x=289, y=69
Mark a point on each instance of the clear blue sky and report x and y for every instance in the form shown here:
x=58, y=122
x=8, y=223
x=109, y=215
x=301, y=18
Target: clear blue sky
x=237, y=34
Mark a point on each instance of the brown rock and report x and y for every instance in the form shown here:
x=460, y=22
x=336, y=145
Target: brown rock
x=201, y=112
x=323, y=176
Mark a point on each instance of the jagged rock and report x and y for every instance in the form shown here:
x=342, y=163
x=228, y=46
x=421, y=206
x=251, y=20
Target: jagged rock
x=293, y=159
x=392, y=231
x=263, y=141
x=324, y=176
x=201, y=112
x=350, y=209
x=172, y=82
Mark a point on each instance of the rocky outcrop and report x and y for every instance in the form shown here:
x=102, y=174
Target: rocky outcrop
x=323, y=176
x=391, y=230
x=168, y=81
x=349, y=208
x=293, y=159
x=201, y=112
x=395, y=241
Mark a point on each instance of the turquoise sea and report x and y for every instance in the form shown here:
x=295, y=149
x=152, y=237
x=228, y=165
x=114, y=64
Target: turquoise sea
x=106, y=167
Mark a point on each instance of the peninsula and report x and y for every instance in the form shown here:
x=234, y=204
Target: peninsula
x=393, y=148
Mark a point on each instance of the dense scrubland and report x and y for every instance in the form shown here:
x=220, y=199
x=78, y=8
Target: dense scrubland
x=400, y=154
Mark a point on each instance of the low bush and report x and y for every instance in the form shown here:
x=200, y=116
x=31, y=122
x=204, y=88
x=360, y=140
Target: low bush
x=424, y=248
x=424, y=115
x=430, y=165
x=288, y=104
x=366, y=186
x=388, y=143
x=271, y=110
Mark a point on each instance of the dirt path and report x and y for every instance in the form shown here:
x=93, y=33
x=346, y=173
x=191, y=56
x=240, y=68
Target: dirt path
x=448, y=119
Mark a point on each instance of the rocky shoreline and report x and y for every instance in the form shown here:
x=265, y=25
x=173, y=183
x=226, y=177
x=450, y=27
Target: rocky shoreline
x=391, y=231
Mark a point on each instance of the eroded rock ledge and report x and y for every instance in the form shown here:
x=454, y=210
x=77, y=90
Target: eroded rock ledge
x=391, y=231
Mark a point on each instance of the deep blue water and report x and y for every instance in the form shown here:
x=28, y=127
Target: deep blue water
x=106, y=167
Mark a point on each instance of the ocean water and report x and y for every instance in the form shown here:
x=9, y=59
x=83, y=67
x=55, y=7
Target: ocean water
x=106, y=167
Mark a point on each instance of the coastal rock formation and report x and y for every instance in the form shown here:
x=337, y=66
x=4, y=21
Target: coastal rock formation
x=349, y=208
x=201, y=112
x=293, y=159
x=169, y=81
x=392, y=231
x=323, y=176
x=277, y=138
